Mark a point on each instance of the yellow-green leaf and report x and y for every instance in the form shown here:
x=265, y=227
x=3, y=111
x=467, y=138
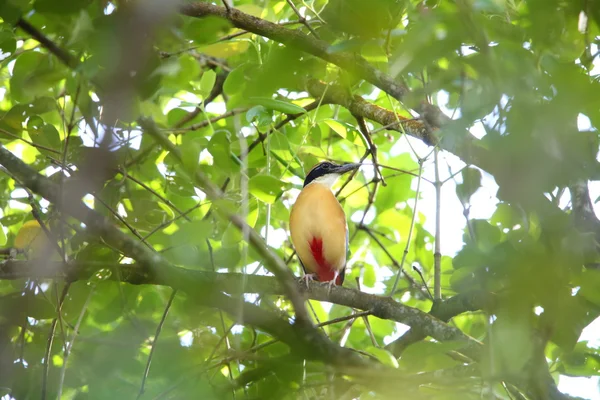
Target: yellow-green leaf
x=384, y=356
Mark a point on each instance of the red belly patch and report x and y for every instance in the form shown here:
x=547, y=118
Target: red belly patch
x=324, y=271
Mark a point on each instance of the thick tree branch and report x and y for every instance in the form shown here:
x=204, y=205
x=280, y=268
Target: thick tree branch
x=445, y=311
x=237, y=284
x=583, y=211
x=295, y=38
x=334, y=94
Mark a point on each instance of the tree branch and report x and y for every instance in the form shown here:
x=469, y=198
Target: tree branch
x=445, y=311
x=295, y=38
x=236, y=284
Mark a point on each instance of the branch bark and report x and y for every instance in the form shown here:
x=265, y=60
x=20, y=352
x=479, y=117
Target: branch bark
x=236, y=284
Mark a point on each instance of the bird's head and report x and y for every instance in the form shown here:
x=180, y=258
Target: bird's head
x=326, y=173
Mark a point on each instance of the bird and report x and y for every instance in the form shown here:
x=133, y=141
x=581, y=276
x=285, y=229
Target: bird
x=318, y=226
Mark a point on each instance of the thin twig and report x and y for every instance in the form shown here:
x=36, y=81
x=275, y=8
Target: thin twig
x=205, y=123
x=124, y=222
x=412, y=224
x=226, y=5
x=70, y=344
x=169, y=222
x=155, y=341
x=377, y=177
x=418, y=271
x=366, y=320
x=396, y=264
x=154, y=192
x=302, y=19
x=50, y=341
x=226, y=331
x=437, y=255
x=215, y=92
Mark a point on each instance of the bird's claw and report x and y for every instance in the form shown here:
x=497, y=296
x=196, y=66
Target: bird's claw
x=306, y=278
x=332, y=283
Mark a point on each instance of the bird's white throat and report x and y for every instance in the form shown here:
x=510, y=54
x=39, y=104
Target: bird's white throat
x=327, y=180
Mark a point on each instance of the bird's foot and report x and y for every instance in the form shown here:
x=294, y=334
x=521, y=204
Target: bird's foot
x=332, y=283
x=306, y=278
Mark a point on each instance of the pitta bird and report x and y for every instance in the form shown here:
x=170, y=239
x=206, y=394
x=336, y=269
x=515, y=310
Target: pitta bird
x=318, y=225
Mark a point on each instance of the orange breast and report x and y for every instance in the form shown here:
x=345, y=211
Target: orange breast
x=318, y=229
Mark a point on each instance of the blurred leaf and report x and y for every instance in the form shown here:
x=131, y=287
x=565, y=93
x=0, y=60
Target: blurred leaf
x=60, y=6
x=226, y=49
x=260, y=115
x=3, y=238
x=471, y=181
x=278, y=105
x=369, y=276
x=34, y=74
x=266, y=188
x=384, y=356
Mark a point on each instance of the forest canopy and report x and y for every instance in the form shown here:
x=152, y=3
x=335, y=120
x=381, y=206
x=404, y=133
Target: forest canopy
x=151, y=151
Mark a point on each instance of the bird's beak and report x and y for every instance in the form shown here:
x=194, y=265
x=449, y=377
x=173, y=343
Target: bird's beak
x=347, y=167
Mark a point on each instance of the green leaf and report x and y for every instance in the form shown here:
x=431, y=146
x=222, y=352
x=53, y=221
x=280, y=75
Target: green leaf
x=486, y=235
x=8, y=43
x=260, y=115
x=207, y=82
x=232, y=236
x=220, y=148
x=13, y=120
x=195, y=232
x=590, y=286
x=266, y=188
x=374, y=53
x=236, y=80
x=505, y=215
x=337, y=127
x=369, y=276
x=226, y=49
x=278, y=141
x=3, y=238
x=60, y=6
x=278, y=105
x=42, y=105
x=11, y=11
x=34, y=74
x=190, y=153
x=384, y=356
x=471, y=182
x=47, y=136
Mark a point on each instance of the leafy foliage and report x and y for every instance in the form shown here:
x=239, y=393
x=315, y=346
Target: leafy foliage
x=78, y=78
